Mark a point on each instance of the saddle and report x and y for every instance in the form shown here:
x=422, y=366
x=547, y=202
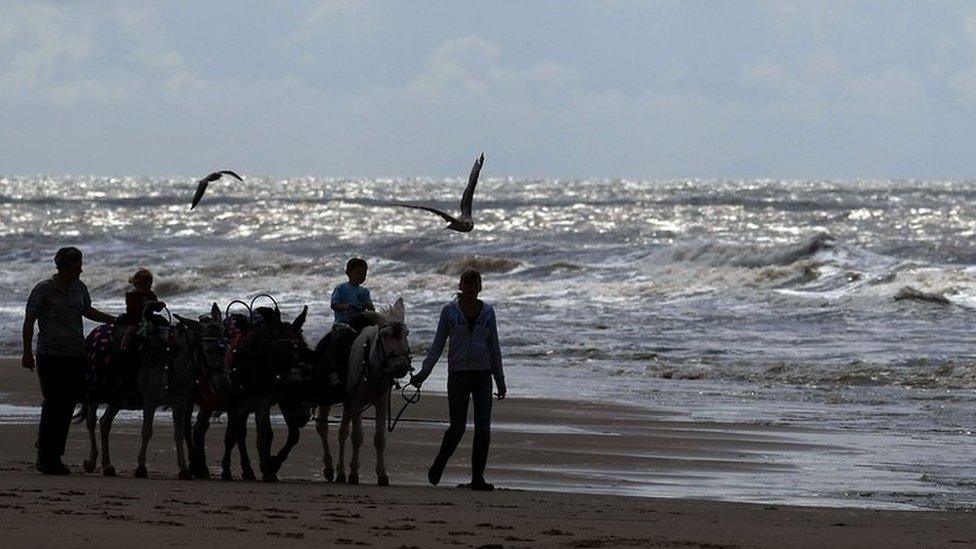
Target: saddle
x=112, y=374
x=333, y=364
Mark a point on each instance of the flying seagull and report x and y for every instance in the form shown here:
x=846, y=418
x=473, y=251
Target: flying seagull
x=202, y=184
x=464, y=223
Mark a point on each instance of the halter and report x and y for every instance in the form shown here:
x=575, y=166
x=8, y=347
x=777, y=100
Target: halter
x=385, y=357
x=199, y=365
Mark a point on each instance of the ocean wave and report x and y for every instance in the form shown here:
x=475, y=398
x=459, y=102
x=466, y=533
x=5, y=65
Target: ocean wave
x=908, y=293
x=752, y=256
x=454, y=267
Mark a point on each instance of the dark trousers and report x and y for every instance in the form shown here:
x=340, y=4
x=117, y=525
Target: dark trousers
x=460, y=387
x=61, y=382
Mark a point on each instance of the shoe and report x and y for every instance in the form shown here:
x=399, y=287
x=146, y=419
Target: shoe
x=479, y=485
x=56, y=468
x=434, y=474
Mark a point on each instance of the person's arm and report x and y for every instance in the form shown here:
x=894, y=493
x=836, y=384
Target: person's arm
x=436, y=348
x=369, y=302
x=92, y=313
x=27, y=360
x=495, y=357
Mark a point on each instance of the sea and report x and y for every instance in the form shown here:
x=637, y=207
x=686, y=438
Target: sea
x=841, y=311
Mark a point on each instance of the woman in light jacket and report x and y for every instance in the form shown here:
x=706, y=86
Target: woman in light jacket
x=474, y=358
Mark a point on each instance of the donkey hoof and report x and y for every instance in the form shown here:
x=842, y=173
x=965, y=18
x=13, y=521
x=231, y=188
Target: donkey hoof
x=200, y=472
x=248, y=475
x=329, y=475
x=269, y=477
x=108, y=471
x=185, y=475
x=353, y=478
x=226, y=475
x=141, y=472
x=383, y=480
x=340, y=477
x=89, y=466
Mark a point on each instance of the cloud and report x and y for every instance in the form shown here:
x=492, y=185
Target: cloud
x=330, y=15
x=40, y=43
x=472, y=65
x=962, y=83
x=895, y=89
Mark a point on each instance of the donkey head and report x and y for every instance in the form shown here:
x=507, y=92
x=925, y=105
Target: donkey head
x=392, y=340
x=203, y=346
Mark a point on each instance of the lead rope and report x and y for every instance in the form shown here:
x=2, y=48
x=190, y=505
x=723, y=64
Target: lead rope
x=408, y=400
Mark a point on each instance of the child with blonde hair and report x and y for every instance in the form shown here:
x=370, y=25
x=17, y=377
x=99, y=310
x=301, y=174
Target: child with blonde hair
x=137, y=300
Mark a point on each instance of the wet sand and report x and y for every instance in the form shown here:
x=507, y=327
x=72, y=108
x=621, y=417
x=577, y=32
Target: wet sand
x=566, y=469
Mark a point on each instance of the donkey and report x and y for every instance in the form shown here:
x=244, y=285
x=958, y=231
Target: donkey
x=379, y=356
x=207, y=385
x=154, y=366
x=256, y=370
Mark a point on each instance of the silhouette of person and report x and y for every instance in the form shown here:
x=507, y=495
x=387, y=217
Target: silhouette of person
x=474, y=358
x=58, y=305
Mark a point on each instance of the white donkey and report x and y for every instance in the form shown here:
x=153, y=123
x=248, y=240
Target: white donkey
x=379, y=355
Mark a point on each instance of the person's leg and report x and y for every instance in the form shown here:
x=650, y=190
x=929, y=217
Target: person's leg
x=72, y=380
x=458, y=391
x=60, y=380
x=481, y=395
x=47, y=376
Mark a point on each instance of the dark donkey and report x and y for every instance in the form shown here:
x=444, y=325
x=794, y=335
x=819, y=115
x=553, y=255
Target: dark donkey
x=202, y=345
x=255, y=360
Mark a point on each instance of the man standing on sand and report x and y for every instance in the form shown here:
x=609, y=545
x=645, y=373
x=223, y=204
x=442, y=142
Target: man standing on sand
x=58, y=304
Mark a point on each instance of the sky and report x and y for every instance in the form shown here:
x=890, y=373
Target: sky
x=652, y=89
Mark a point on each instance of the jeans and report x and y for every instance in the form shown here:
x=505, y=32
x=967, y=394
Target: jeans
x=61, y=380
x=461, y=386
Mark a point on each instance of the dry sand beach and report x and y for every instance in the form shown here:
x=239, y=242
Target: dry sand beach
x=555, y=460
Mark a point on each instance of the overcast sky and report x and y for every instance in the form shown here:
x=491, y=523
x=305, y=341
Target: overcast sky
x=626, y=88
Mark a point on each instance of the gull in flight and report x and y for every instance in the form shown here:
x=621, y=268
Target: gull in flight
x=202, y=184
x=464, y=223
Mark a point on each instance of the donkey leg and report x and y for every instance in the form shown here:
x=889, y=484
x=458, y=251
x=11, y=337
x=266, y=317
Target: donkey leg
x=148, y=415
x=379, y=441
x=231, y=434
x=105, y=426
x=357, y=443
x=179, y=432
x=247, y=472
x=198, y=454
x=322, y=428
x=91, y=419
x=294, y=418
x=262, y=421
x=343, y=435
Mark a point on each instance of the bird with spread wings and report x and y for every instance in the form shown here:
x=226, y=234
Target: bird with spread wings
x=464, y=223
x=202, y=184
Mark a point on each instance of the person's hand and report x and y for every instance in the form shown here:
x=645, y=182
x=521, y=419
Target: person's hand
x=501, y=392
x=27, y=361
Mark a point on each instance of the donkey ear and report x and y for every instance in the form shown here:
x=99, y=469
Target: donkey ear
x=399, y=312
x=300, y=319
x=191, y=323
x=215, y=312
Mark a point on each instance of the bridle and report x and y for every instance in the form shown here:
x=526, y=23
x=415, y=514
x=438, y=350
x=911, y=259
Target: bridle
x=389, y=380
x=385, y=356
